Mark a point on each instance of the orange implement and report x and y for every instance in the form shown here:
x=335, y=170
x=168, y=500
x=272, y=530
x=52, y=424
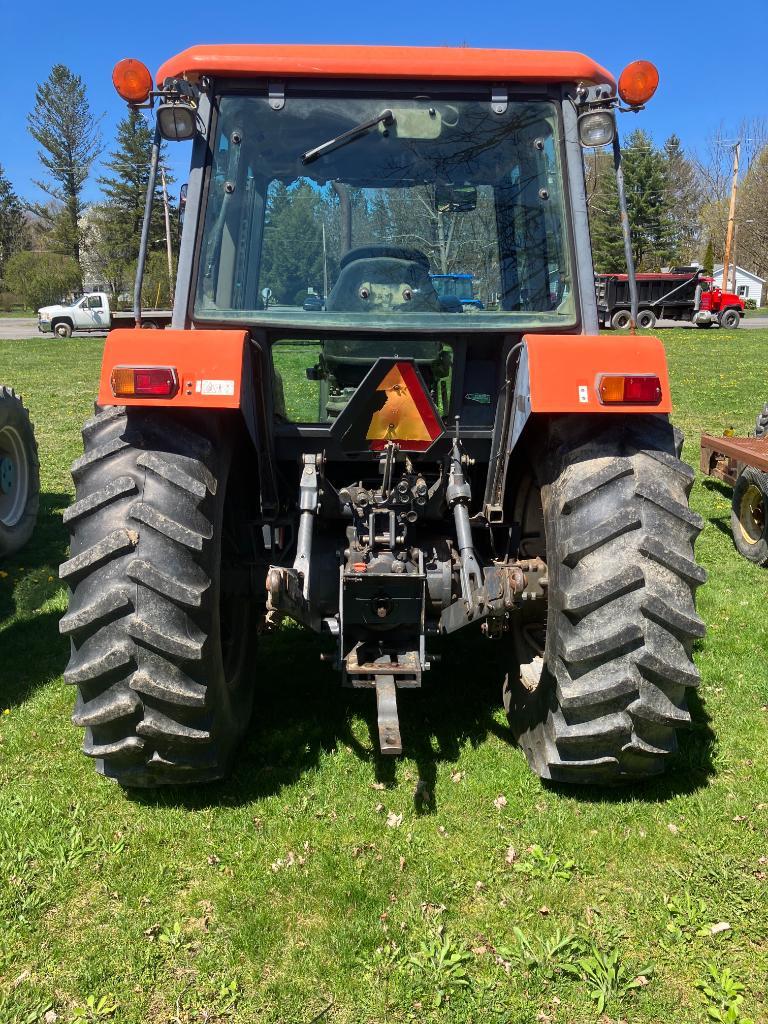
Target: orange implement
x=208, y=365
x=566, y=371
x=416, y=62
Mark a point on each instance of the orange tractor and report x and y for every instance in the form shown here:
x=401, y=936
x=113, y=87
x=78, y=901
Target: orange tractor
x=318, y=436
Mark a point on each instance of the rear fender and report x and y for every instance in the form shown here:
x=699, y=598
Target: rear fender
x=560, y=373
x=216, y=370
x=210, y=365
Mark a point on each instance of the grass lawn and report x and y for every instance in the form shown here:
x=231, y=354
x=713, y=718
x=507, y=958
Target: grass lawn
x=318, y=884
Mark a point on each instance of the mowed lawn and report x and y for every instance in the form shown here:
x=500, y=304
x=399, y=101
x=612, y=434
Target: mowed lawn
x=323, y=884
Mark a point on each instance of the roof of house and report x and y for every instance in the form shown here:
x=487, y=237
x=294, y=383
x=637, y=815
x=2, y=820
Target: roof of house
x=718, y=269
x=240, y=60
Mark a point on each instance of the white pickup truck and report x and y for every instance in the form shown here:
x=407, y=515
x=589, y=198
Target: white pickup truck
x=92, y=313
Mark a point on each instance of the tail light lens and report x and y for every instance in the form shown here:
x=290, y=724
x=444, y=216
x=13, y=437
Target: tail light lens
x=622, y=389
x=144, y=382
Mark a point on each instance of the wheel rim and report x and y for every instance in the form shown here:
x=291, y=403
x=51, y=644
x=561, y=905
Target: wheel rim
x=14, y=476
x=752, y=514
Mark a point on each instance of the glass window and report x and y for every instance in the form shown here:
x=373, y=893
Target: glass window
x=432, y=209
x=314, y=380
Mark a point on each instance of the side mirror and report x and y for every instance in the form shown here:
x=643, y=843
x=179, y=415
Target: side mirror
x=455, y=198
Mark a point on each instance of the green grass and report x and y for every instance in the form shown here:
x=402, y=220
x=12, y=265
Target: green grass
x=295, y=892
x=10, y=314
x=760, y=311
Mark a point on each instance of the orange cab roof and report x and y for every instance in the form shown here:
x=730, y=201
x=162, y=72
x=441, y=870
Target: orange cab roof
x=418, y=62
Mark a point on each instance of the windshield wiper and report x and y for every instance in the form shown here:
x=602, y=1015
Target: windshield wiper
x=385, y=117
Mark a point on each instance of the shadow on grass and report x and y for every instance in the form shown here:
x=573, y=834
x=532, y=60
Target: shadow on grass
x=303, y=712
x=723, y=489
x=32, y=649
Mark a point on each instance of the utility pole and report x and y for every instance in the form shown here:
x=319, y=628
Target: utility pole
x=731, y=217
x=168, y=246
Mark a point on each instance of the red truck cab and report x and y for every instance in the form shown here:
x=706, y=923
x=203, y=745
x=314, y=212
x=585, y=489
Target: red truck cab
x=724, y=307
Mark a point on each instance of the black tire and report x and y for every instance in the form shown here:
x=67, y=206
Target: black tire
x=160, y=655
x=19, y=474
x=646, y=319
x=62, y=329
x=761, y=422
x=602, y=697
x=730, y=319
x=749, y=515
x=621, y=319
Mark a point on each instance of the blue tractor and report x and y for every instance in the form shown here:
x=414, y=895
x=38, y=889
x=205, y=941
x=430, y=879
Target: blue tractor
x=456, y=288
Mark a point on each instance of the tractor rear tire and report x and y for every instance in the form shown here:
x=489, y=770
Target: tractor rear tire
x=159, y=653
x=599, y=698
x=19, y=474
x=749, y=515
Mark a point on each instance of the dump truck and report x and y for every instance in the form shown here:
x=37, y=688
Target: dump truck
x=382, y=470
x=19, y=473
x=91, y=313
x=684, y=294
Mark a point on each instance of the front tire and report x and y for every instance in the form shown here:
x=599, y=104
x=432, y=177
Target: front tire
x=730, y=319
x=63, y=329
x=159, y=653
x=601, y=698
x=19, y=474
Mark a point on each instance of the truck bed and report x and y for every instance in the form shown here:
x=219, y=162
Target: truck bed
x=725, y=457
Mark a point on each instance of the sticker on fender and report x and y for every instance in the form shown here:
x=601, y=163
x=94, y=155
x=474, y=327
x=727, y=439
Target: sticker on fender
x=215, y=387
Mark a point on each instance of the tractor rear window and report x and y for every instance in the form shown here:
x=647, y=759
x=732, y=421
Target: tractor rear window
x=337, y=211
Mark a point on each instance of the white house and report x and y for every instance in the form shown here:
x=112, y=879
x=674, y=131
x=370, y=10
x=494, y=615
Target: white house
x=748, y=285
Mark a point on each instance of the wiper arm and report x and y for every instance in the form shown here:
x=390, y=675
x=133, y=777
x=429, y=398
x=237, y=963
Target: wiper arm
x=385, y=117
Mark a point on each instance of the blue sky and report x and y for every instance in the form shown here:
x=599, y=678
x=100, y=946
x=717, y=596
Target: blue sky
x=707, y=78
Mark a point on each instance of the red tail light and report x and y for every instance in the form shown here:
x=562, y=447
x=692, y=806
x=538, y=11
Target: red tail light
x=621, y=389
x=144, y=382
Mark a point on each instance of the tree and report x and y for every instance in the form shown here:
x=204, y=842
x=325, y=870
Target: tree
x=649, y=200
x=119, y=218
x=708, y=262
x=11, y=221
x=684, y=201
x=292, y=258
x=41, y=278
x=68, y=134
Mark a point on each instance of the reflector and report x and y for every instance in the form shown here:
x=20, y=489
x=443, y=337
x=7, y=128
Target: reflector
x=620, y=389
x=132, y=80
x=391, y=404
x=144, y=382
x=638, y=82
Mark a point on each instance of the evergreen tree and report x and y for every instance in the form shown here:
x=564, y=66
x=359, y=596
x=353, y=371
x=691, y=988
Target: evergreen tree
x=647, y=188
x=648, y=202
x=11, y=221
x=604, y=221
x=292, y=258
x=68, y=134
x=684, y=201
x=115, y=225
x=125, y=190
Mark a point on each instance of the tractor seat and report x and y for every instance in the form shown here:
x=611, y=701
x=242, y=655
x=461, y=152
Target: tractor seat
x=383, y=279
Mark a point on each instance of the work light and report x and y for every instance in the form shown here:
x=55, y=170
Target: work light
x=177, y=121
x=596, y=128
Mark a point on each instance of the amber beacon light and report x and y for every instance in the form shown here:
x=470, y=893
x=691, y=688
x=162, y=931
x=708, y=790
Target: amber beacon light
x=638, y=82
x=132, y=80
